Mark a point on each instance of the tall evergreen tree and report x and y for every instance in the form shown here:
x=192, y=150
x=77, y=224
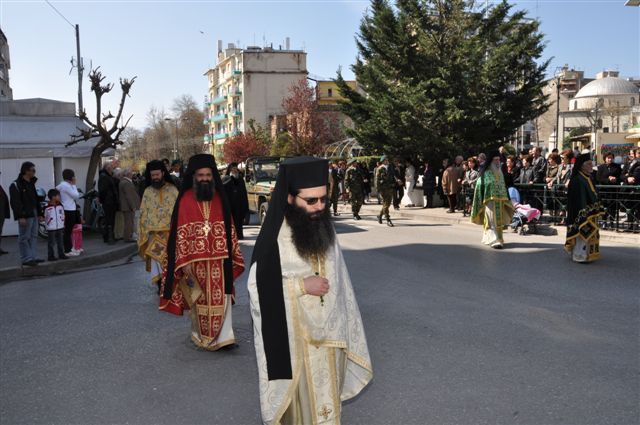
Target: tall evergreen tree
x=441, y=78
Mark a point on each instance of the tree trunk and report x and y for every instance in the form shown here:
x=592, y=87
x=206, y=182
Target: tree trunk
x=91, y=175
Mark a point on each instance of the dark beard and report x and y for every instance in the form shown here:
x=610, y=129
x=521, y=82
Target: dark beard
x=204, y=190
x=313, y=234
x=157, y=184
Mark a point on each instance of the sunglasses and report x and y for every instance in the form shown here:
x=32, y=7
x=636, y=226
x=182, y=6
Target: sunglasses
x=313, y=201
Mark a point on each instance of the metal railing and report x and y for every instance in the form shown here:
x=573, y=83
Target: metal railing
x=622, y=204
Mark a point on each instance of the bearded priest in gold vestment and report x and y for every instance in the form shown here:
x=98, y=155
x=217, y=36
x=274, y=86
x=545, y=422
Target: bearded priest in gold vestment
x=310, y=344
x=156, y=207
x=203, y=257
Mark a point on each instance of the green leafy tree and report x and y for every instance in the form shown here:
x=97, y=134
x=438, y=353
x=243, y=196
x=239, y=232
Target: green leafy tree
x=441, y=78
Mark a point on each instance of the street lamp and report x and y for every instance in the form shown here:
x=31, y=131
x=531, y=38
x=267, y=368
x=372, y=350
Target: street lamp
x=175, y=143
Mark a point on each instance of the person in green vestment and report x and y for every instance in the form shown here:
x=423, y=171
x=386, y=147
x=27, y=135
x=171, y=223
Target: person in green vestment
x=583, y=210
x=491, y=205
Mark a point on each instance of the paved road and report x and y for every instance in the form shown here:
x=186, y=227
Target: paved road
x=458, y=333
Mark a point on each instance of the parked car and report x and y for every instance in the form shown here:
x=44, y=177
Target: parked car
x=260, y=177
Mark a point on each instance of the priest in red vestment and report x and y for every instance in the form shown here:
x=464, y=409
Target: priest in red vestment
x=203, y=256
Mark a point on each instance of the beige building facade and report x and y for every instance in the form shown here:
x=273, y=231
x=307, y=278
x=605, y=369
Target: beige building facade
x=248, y=84
x=5, y=64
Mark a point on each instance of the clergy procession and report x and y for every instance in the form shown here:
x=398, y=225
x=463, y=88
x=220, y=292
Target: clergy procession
x=320, y=212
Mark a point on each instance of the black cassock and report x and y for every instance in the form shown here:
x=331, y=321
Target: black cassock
x=237, y=195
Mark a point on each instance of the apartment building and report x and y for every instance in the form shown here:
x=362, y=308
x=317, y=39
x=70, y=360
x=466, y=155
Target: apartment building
x=248, y=84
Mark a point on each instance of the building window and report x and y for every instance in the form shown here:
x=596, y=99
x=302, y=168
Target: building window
x=575, y=104
x=330, y=92
x=633, y=101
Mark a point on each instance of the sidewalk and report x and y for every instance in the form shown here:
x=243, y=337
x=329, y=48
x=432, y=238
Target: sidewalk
x=439, y=215
x=96, y=252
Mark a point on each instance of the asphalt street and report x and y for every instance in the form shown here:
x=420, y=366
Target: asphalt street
x=458, y=334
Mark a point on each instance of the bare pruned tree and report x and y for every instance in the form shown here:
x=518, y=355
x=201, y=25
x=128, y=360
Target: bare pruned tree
x=108, y=133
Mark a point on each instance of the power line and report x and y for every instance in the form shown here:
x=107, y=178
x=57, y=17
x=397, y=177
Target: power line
x=58, y=12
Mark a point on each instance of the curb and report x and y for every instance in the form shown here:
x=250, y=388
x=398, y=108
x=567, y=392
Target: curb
x=605, y=235
x=10, y=274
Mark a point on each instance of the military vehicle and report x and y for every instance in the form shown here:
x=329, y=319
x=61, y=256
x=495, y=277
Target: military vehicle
x=260, y=177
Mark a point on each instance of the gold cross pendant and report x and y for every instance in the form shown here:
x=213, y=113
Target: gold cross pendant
x=206, y=228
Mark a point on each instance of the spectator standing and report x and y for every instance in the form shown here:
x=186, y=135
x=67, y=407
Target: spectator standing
x=108, y=196
x=398, y=174
x=27, y=211
x=428, y=185
x=539, y=166
x=334, y=187
x=451, y=186
x=441, y=170
x=609, y=174
x=565, y=167
x=511, y=172
x=69, y=194
x=385, y=184
x=129, y=204
x=54, y=219
x=553, y=163
x=410, y=183
x=5, y=212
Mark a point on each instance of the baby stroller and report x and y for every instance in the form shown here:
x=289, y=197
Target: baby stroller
x=525, y=217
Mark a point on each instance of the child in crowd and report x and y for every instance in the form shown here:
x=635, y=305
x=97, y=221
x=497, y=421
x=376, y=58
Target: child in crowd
x=76, y=235
x=54, y=220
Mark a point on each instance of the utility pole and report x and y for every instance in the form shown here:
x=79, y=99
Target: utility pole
x=80, y=69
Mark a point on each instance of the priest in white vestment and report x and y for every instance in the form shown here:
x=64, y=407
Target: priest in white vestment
x=310, y=344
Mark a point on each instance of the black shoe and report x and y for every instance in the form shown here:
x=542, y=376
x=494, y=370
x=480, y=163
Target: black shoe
x=51, y=259
x=39, y=260
x=2, y=252
x=63, y=257
x=389, y=222
x=357, y=217
x=450, y=211
x=336, y=213
x=380, y=219
x=30, y=263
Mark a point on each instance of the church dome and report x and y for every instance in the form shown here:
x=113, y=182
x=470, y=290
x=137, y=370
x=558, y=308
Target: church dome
x=608, y=86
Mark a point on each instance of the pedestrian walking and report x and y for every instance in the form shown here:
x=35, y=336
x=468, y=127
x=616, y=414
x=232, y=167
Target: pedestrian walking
x=354, y=184
x=129, y=204
x=237, y=194
x=203, y=256
x=335, y=182
x=311, y=349
x=491, y=205
x=54, y=219
x=158, y=201
x=27, y=211
x=69, y=195
x=583, y=211
x=385, y=184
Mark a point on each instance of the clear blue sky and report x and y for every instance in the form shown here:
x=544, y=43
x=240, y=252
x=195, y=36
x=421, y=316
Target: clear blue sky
x=170, y=44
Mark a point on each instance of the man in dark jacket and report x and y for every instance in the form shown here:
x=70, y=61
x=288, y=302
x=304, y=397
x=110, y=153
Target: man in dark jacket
x=237, y=193
x=108, y=196
x=27, y=211
x=608, y=174
x=5, y=212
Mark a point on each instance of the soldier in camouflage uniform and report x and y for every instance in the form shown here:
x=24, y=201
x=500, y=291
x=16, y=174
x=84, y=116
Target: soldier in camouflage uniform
x=385, y=184
x=354, y=183
x=335, y=179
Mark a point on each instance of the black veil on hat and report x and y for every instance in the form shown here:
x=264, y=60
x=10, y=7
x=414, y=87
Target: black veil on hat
x=153, y=166
x=580, y=160
x=195, y=163
x=293, y=174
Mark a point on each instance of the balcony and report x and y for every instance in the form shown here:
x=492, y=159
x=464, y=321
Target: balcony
x=206, y=121
x=219, y=136
x=219, y=99
x=207, y=138
x=219, y=117
x=235, y=93
x=237, y=113
x=235, y=133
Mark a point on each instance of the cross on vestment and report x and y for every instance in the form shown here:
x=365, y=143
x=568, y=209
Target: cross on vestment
x=325, y=412
x=206, y=228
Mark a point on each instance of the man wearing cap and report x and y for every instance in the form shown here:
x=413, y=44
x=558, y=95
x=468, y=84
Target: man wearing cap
x=156, y=207
x=310, y=344
x=583, y=211
x=203, y=256
x=385, y=183
x=354, y=183
x=491, y=205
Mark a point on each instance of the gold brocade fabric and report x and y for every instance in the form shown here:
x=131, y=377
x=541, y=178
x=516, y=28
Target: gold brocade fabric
x=155, y=220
